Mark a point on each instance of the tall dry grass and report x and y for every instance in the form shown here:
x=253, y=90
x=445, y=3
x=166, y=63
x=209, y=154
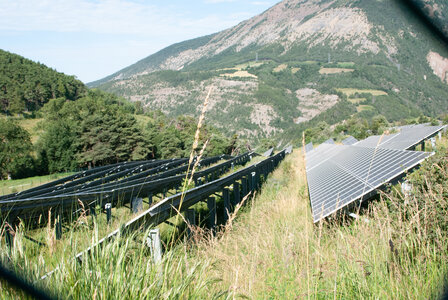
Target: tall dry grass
x=274, y=250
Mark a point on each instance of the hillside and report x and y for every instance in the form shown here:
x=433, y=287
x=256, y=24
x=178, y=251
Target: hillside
x=286, y=66
x=26, y=85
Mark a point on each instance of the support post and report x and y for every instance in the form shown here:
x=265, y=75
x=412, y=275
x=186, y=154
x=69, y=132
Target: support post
x=92, y=210
x=258, y=180
x=150, y=198
x=136, y=205
x=227, y=209
x=190, y=216
x=252, y=182
x=211, y=204
x=155, y=245
x=108, y=208
x=433, y=144
x=58, y=226
x=244, y=190
x=236, y=193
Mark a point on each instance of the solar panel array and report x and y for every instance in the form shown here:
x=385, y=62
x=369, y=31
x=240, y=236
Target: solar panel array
x=329, y=141
x=407, y=138
x=110, y=184
x=309, y=147
x=349, y=141
x=269, y=152
x=340, y=175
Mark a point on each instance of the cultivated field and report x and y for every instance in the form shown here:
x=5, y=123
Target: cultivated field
x=350, y=91
x=335, y=70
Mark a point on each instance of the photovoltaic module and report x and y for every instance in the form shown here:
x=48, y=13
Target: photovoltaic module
x=406, y=139
x=339, y=175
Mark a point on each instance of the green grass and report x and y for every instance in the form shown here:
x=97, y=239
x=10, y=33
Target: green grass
x=75, y=231
x=18, y=185
x=309, y=62
x=345, y=64
x=356, y=100
x=351, y=91
x=272, y=250
x=30, y=125
x=361, y=108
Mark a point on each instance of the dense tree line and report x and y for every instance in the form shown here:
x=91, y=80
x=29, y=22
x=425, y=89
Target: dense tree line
x=100, y=129
x=84, y=128
x=27, y=86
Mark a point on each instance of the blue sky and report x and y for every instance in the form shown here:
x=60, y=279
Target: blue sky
x=94, y=38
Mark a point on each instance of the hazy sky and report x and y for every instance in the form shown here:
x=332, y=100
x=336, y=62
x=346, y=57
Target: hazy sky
x=95, y=38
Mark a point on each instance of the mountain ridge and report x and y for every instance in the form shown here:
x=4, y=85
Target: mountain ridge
x=261, y=65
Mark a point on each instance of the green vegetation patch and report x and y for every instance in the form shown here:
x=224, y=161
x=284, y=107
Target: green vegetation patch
x=280, y=68
x=335, y=70
x=356, y=100
x=361, y=108
x=345, y=64
x=351, y=91
x=18, y=185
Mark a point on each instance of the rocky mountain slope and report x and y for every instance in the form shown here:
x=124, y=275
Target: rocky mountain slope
x=288, y=65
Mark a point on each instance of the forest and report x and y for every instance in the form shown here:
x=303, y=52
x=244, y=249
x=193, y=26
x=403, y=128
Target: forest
x=96, y=130
x=80, y=128
x=25, y=86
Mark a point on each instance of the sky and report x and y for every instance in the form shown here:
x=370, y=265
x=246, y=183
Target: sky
x=92, y=39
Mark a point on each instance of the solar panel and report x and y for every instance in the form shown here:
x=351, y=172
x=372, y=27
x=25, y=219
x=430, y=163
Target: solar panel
x=339, y=175
x=407, y=138
x=309, y=147
x=269, y=152
x=349, y=141
x=329, y=141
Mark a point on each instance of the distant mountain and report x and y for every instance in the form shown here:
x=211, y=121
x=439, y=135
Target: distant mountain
x=26, y=85
x=299, y=59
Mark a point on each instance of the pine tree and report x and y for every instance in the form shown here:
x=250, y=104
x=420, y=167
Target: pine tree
x=15, y=150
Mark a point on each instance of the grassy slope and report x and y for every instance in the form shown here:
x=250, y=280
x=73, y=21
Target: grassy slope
x=30, y=125
x=272, y=250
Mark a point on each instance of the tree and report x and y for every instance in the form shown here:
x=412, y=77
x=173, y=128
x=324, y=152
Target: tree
x=379, y=124
x=56, y=152
x=15, y=150
x=110, y=136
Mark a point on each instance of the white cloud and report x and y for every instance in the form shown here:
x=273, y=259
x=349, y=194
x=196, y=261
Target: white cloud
x=105, y=16
x=93, y=38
